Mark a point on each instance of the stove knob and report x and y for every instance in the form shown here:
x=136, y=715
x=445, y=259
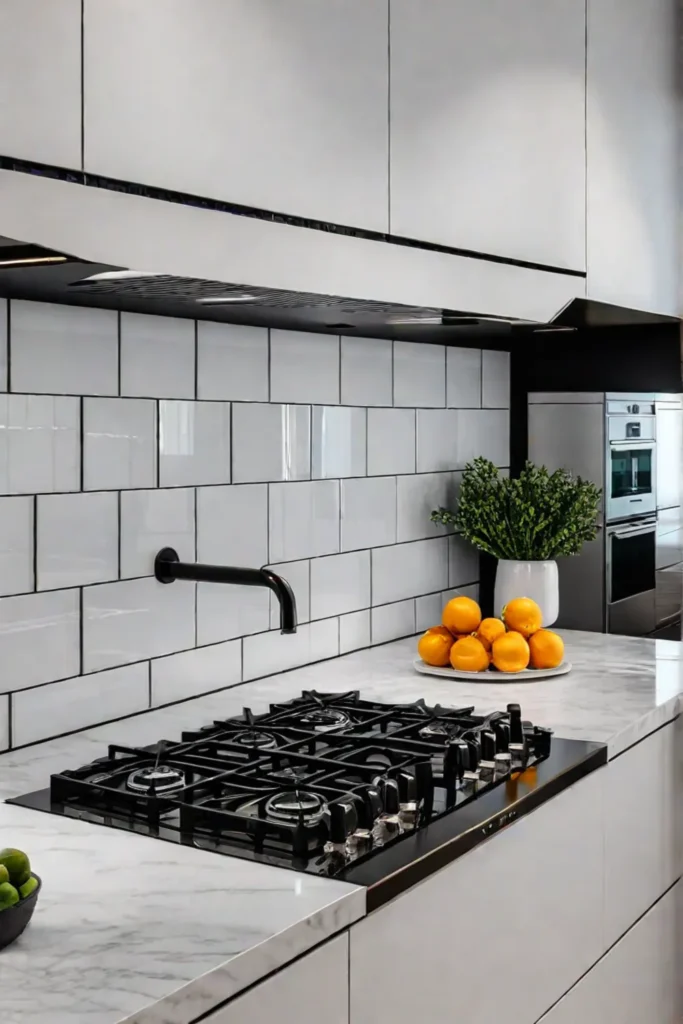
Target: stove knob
x=488, y=745
x=371, y=807
x=474, y=754
x=542, y=740
x=457, y=759
x=343, y=822
x=424, y=780
x=407, y=788
x=390, y=796
x=502, y=731
x=516, y=730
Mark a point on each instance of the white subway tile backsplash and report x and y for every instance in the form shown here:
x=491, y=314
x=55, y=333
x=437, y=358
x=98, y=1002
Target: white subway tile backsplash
x=277, y=652
x=419, y=374
x=77, y=539
x=437, y=444
x=484, y=432
x=304, y=520
x=119, y=443
x=392, y=621
x=232, y=362
x=136, y=619
x=463, y=562
x=428, y=611
x=4, y=722
x=225, y=612
x=39, y=638
x=409, y=570
x=270, y=442
x=232, y=525
x=463, y=378
x=354, y=631
x=470, y=591
x=194, y=443
x=192, y=673
x=152, y=520
x=64, y=350
x=16, y=546
x=298, y=575
x=304, y=367
x=368, y=512
x=366, y=371
x=340, y=584
x=391, y=441
x=157, y=356
x=417, y=497
x=78, y=703
x=3, y=344
x=338, y=441
x=495, y=380
x=40, y=447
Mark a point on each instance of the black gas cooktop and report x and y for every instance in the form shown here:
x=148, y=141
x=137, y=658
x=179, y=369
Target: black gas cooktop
x=380, y=795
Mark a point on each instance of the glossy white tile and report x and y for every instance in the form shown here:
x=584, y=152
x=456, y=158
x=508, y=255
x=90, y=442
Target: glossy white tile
x=484, y=432
x=192, y=673
x=155, y=519
x=472, y=590
x=136, y=619
x=16, y=546
x=463, y=378
x=437, y=442
x=391, y=441
x=40, y=447
x=392, y=621
x=232, y=362
x=157, y=356
x=409, y=570
x=77, y=703
x=368, y=512
x=270, y=442
x=304, y=520
x=275, y=652
x=366, y=371
x=77, y=539
x=495, y=379
x=62, y=350
x=340, y=584
x=419, y=374
x=304, y=367
x=226, y=612
x=463, y=562
x=232, y=525
x=3, y=344
x=339, y=441
x=418, y=496
x=119, y=443
x=428, y=610
x=354, y=631
x=298, y=575
x=194, y=443
x=4, y=722
x=39, y=638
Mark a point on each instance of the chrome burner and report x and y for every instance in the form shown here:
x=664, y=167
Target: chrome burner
x=293, y=774
x=437, y=731
x=254, y=738
x=159, y=780
x=292, y=805
x=323, y=719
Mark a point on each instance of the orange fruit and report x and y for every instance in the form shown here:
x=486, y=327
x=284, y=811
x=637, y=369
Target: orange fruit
x=523, y=616
x=510, y=652
x=489, y=630
x=547, y=649
x=461, y=615
x=469, y=655
x=435, y=648
x=440, y=629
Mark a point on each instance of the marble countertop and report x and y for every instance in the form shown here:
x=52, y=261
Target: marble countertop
x=130, y=928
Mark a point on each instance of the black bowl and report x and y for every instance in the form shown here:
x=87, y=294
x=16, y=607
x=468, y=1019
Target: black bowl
x=14, y=919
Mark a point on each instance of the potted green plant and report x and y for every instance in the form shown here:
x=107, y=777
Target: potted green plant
x=526, y=523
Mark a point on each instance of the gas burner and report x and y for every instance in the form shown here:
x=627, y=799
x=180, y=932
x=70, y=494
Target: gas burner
x=295, y=774
x=254, y=738
x=157, y=780
x=296, y=805
x=437, y=731
x=323, y=719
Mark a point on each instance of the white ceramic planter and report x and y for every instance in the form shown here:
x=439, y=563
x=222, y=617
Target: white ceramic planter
x=537, y=580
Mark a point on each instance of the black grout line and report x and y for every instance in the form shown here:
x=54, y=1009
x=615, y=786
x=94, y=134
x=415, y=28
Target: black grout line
x=80, y=634
x=269, y=367
x=118, y=347
x=196, y=360
x=120, y=521
x=8, y=328
x=10, y=720
x=149, y=684
x=81, y=415
x=157, y=443
x=35, y=543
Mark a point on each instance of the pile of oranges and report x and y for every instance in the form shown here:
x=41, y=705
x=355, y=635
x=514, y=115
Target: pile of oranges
x=510, y=644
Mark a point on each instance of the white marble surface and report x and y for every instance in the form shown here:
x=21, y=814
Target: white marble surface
x=125, y=921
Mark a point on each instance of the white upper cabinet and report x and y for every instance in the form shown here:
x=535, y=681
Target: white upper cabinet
x=40, y=81
x=487, y=113
x=633, y=114
x=272, y=104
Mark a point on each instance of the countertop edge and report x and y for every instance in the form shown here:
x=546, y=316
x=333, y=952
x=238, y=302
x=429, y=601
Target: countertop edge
x=644, y=727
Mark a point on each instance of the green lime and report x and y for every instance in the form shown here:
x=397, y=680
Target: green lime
x=17, y=864
x=28, y=887
x=8, y=896
x=4, y=874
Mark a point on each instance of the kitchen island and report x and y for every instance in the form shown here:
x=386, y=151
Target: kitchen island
x=129, y=928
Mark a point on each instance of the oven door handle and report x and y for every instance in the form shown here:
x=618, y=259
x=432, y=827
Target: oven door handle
x=638, y=531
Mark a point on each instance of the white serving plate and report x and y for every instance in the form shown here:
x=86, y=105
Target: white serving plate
x=527, y=675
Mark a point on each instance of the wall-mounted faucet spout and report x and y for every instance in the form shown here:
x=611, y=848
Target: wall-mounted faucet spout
x=168, y=567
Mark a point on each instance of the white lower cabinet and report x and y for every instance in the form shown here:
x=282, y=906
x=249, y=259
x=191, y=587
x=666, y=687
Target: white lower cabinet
x=311, y=989
x=502, y=932
x=638, y=981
